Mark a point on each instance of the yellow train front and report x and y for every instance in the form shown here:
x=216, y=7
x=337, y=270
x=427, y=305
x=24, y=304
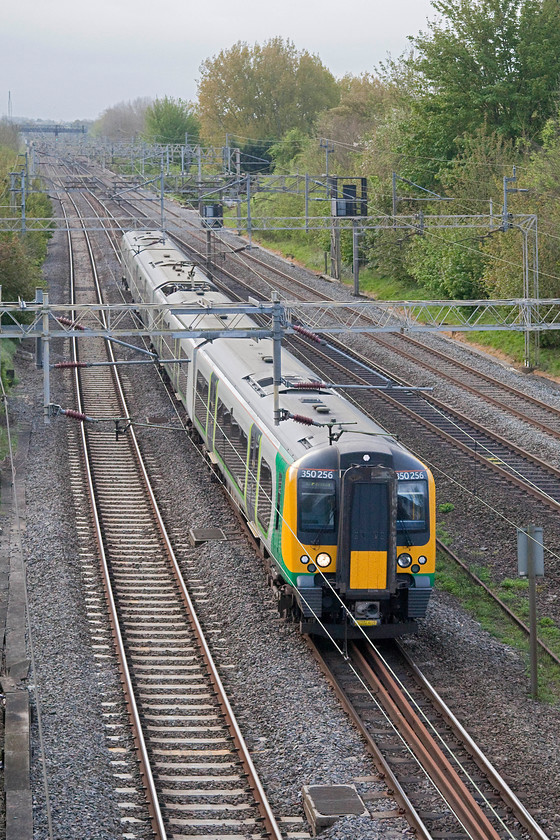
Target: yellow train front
x=358, y=539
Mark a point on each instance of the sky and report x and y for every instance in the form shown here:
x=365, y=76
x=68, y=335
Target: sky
x=66, y=60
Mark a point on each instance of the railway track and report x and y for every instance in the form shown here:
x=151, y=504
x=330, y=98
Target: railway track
x=517, y=466
x=521, y=468
x=436, y=774
x=199, y=777
x=147, y=655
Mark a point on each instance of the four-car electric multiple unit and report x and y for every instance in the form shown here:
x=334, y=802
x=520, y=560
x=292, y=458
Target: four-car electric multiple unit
x=348, y=526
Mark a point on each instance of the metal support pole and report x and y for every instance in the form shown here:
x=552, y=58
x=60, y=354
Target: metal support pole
x=394, y=182
x=162, y=208
x=46, y=359
x=23, y=220
x=355, y=258
x=306, y=202
x=39, y=340
x=335, y=250
x=209, y=252
x=527, y=332
x=536, y=290
x=227, y=157
x=249, y=223
x=533, y=650
x=277, y=321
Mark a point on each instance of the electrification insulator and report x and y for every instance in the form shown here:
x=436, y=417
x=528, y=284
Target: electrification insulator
x=309, y=386
x=75, y=415
x=70, y=365
x=69, y=323
x=307, y=333
x=300, y=418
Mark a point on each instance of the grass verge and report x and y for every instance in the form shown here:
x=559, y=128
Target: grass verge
x=7, y=351
x=451, y=578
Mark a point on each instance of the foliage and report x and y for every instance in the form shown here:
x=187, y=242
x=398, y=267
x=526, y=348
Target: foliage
x=446, y=507
x=365, y=104
x=19, y=273
x=286, y=153
x=262, y=91
x=449, y=263
x=168, y=120
x=21, y=256
x=484, y=62
x=123, y=121
x=255, y=156
x=9, y=137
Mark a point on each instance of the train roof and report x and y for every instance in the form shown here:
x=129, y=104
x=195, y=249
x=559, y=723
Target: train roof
x=247, y=365
x=153, y=250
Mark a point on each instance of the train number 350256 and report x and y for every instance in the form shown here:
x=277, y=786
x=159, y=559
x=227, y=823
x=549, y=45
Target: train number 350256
x=410, y=475
x=317, y=473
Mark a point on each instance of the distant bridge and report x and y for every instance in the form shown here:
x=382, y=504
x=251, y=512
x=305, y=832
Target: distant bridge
x=51, y=129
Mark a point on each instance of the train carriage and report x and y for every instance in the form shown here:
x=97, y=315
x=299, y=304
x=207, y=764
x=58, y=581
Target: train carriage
x=348, y=525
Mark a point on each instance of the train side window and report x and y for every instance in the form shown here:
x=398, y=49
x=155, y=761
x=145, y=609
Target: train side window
x=278, y=501
x=264, y=498
x=219, y=434
x=241, y=449
x=201, y=399
x=183, y=373
x=212, y=408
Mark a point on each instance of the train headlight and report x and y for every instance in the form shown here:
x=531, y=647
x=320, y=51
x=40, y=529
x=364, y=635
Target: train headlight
x=422, y=560
x=305, y=558
x=415, y=568
x=404, y=560
x=323, y=559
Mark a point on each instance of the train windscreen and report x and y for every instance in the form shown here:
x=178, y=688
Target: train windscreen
x=317, y=504
x=412, y=505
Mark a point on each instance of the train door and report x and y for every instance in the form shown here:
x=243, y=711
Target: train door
x=252, y=475
x=366, y=557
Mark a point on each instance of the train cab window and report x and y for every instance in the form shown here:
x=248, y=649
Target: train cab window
x=264, y=498
x=316, y=504
x=412, y=505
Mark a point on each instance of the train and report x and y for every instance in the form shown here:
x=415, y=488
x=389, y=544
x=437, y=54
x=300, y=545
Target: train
x=345, y=521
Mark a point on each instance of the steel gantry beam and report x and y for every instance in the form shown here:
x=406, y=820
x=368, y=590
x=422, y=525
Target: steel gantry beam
x=113, y=320
x=46, y=321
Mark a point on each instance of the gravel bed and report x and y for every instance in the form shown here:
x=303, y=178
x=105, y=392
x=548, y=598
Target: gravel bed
x=290, y=717
x=70, y=683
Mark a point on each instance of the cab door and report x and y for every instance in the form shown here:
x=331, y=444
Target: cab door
x=366, y=557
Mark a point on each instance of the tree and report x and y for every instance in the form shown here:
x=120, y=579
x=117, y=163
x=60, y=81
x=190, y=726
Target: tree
x=19, y=275
x=364, y=104
x=168, y=120
x=261, y=92
x=286, y=152
x=485, y=62
x=448, y=263
x=9, y=137
x=123, y=121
